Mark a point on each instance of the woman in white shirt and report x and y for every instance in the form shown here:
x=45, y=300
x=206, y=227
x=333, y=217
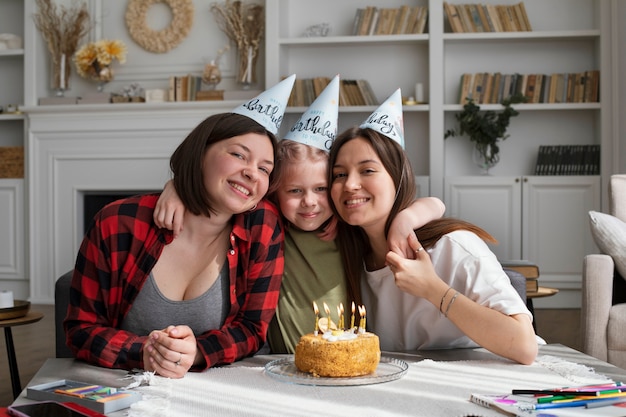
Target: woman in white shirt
x=453, y=293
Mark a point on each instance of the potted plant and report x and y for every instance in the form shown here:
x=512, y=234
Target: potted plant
x=486, y=129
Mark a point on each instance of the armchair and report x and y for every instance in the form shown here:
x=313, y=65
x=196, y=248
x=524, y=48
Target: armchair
x=603, y=314
x=61, y=302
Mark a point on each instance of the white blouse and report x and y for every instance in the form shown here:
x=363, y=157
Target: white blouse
x=405, y=322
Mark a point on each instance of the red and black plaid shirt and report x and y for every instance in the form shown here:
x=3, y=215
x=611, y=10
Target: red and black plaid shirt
x=115, y=259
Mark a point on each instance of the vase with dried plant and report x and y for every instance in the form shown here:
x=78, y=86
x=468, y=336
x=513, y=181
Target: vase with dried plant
x=212, y=75
x=62, y=28
x=94, y=59
x=244, y=25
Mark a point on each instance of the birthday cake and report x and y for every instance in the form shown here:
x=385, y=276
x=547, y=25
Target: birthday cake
x=338, y=353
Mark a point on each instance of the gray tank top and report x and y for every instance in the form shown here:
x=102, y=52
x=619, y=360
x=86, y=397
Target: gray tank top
x=152, y=310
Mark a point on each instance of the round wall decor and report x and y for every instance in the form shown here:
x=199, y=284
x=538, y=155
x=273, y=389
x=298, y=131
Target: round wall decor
x=163, y=40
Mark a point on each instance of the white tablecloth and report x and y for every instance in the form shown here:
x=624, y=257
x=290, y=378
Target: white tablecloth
x=429, y=388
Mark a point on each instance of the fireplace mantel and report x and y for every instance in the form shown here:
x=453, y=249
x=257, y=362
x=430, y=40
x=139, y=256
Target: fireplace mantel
x=72, y=149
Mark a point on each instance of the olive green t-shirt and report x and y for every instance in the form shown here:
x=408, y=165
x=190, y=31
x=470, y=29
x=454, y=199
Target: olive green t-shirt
x=313, y=272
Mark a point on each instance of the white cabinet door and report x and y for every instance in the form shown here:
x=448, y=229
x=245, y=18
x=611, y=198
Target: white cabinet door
x=556, y=234
x=543, y=219
x=493, y=203
x=11, y=229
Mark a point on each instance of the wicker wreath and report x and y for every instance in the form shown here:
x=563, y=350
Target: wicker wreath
x=163, y=40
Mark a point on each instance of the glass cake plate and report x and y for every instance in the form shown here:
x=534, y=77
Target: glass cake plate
x=389, y=369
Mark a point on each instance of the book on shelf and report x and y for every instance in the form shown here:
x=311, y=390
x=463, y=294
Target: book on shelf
x=466, y=19
x=472, y=17
x=373, y=24
x=477, y=23
x=485, y=23
x=524, y=16
x=367, y=92
x=405, y=19
x=492, y=15
x=419, y=24
x=366, y=20
x=319, y=84
x=466, y=85
x=568, y=160
x=485, y=88
x=454, y=20
x=358, y=19
x=477, y=87
x=399, y=26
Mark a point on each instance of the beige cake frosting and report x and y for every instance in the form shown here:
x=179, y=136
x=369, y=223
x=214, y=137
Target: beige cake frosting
x=338, y=358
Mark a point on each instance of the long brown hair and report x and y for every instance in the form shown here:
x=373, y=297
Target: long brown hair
x=352, y=241
x=186, y=161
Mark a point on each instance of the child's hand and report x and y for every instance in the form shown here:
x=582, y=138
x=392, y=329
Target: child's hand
x=169, y=210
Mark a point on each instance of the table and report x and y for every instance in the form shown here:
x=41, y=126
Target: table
x=541, y=292
x=30, y=317
x=262, y=395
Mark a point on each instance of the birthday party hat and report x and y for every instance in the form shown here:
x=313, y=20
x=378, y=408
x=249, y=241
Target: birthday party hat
x=269, y=107
x=318, y=124
x=387, y=119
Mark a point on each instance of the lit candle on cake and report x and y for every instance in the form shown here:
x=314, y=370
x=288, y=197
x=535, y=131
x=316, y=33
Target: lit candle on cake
x=352, y=319
x=341, y=320
x=327, y=310
x=317, y=318
x=362, y=322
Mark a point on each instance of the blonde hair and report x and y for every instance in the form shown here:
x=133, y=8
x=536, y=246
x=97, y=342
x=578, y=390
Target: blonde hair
x=289, y=154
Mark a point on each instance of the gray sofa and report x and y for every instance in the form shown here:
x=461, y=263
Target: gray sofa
x=603, y=311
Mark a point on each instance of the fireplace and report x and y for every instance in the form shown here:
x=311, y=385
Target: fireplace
x=75, y=152
x=94, y=201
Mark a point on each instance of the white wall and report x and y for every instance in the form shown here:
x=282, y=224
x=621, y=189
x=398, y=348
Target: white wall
x=149, y=69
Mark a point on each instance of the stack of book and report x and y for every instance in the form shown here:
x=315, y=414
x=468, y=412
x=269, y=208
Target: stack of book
x=464, y=18
x=526, y=268
x=390, y=21
x=486, y=88
x=184, y=88
x=568, y=160
x=351, y=92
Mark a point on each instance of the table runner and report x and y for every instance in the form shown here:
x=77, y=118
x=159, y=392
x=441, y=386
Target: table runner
x=430, y=388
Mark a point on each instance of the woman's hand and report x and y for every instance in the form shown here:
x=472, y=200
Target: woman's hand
x=169, y=210
x=415, y=274
x=420, y=212
x=170, y=352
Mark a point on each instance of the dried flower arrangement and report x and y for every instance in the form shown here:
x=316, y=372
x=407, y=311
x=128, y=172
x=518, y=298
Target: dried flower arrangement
x=62, y=28
x=243, y=24
x=93, y=60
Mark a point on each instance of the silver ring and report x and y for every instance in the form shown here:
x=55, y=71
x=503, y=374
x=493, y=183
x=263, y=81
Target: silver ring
x=421, y=248
x=180, y=359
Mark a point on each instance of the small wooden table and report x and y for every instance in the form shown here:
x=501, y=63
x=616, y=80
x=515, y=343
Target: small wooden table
x=30, y=317
x=541, y=292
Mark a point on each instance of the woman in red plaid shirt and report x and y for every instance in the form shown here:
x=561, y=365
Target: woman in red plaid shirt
x=141, y=299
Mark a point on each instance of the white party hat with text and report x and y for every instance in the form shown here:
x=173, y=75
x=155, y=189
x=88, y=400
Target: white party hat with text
x=387, y=119
x=268, y=108
x=318, y=124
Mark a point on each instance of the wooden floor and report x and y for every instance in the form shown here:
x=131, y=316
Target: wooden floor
x=34, y=343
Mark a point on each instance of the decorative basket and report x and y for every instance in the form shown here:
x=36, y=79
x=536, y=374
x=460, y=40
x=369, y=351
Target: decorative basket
x=12, y=162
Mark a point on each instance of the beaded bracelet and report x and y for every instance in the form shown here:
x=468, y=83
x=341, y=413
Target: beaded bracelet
x=443, y=298
x=450, y=304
